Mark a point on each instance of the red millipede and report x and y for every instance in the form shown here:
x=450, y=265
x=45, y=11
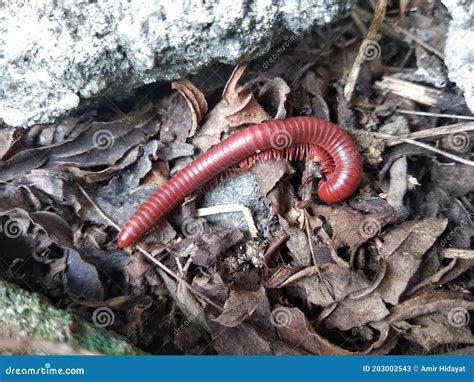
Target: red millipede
x=294, y=138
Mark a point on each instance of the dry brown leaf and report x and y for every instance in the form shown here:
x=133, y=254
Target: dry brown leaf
x=205, y=142
x=212, y=286
x=279, y=277
x=206, y=244
x=243, y=107
x=237, y=108
x=272, y=179
x=430, y=302
x=8, y=137
x=195, y=99
x=243, y=340
x=137, y=267
x=350, y=227
x=158, y=174
x=269, y=173
x=214, y=126
x=403, y=250
x=295, y=329
x=274, y=95
x=240, y=305
x=97, y=145
x=297, y=245
x=453, y=308
x=229, y=90
x=337, y=283
x=309, y=95
x=351, y=313
x=433, y=330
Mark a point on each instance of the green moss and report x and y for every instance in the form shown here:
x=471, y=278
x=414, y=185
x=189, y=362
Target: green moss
x=102, y=341
x=25, y=315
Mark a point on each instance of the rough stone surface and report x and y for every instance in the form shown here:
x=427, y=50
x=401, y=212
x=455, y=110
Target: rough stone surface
x=242, y=189
x=53, y=53
x=459, y=49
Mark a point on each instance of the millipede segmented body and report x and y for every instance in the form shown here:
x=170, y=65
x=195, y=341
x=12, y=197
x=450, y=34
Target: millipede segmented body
x=294, y=138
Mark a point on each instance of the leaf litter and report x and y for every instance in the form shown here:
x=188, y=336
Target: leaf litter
x=367, y=276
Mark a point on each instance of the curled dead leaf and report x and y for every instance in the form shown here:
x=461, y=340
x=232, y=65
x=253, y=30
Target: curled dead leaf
x=243, y=107
x=274, y=96
x=295, y=329
x=403, y=249
x=195, y=99
x=350, y=227
x=240, y=305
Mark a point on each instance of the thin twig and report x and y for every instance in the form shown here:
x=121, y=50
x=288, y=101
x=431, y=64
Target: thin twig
x=163, y=267
x=406, y=89
x=310, y=242
x=437, y=115
x=227, y=208
x=416, y=39
x=457, y=253
x=394, y=31
x=427, y=147
x=149, y=256
x=99, y=210
x=434, y=132
x=351, y=81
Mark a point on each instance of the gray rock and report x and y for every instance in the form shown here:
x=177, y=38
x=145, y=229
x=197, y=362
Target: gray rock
x=242, y=189
x=459, y=50
x=54, y=53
